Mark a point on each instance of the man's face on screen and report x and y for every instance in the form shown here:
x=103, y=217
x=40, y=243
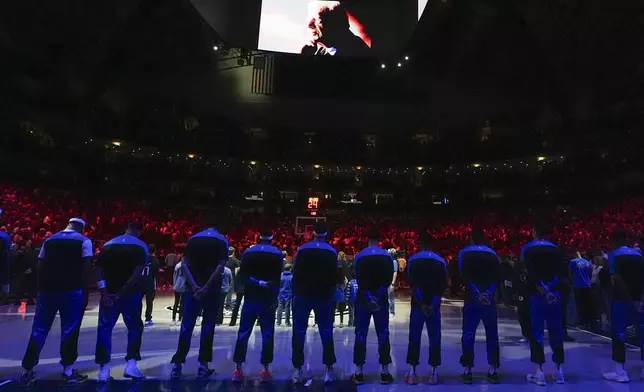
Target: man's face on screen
x=316, y=27
x=326, y=21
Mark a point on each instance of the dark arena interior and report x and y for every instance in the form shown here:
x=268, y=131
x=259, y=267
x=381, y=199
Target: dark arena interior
x=179, y=177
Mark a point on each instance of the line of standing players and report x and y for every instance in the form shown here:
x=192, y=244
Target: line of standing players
x=66, y=256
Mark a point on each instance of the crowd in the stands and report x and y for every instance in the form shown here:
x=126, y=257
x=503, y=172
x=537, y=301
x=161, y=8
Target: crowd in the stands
x=31, y=215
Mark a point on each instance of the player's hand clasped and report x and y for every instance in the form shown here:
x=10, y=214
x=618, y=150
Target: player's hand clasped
x=108, y=299
x=484, y=299
x=639, y=306
x=201, y=292
x=551, y=298
x=373, y=306
x=428, y=310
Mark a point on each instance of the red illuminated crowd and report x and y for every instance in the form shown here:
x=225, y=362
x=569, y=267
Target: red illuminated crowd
x=34, y=214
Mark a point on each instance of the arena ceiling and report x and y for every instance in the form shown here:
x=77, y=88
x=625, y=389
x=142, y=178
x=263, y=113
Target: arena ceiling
x=577, y=60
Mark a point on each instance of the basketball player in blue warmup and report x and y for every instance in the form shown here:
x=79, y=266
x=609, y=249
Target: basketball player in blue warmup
x=5, y=268
x=374, y=270
x=261, y=270
x=546, y=273
x=427, y=274
x=204, y=260
x=481, y=272
x=120, y=267
x=316, y=273
x=626, y=267
x=64, y=263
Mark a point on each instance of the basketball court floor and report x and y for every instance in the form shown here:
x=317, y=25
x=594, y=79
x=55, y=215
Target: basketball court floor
x=586, y=358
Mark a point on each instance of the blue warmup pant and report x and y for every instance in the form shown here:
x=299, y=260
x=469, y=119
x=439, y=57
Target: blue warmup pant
x=540, y=311
x=473, y=313
x=251, y=311
x=284, y=305
x=418, y=319
x=621, y=313
x=71, y=305
x=381, y=322
x=392, y=300
x=191, y=309
x=323, y=309
x=130, y=308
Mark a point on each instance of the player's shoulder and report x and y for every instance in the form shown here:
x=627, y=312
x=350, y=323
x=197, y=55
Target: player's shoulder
x=79, y=236
x=111, y=242
x=425, y=254
x=262, y=248
x=208, y=237
x=126, y=240
x=319, y=245
x=208, y=234
x=626, y=251
x=477, y=248
x=539, y=243
x=67, y=235
x=373, y=251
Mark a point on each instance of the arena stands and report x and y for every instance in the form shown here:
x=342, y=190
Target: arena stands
x=31, y=215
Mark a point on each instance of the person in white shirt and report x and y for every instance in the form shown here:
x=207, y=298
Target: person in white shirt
x=179, y=287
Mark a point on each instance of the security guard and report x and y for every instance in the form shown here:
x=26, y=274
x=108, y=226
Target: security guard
x=480, y=269
x=261, y=269
x=121, y=265
x=546, y=274
x=427, y=274
x=204, y=260
x=626, y=266
x=315, y=278
x=64, y=262
x=374, y=269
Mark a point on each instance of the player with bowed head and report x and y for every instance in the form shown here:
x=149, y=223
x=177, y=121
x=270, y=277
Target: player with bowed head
x=204, y=259
x=260, y=273
x=481, y=272
x=316, y=274
x=427, y=274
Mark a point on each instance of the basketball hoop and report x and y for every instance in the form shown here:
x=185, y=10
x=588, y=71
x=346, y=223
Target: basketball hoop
x=306, y=224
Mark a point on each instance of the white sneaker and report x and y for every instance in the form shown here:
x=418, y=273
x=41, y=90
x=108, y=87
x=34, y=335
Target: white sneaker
x=132, y=371
x=559, y=377
x=617, y=376
x=538, y=379
x=104, y=374
x=149, y=323
x=523, y=340
x=297, y=376
x=329, y=376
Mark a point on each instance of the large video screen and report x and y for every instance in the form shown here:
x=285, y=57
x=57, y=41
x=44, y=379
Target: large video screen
x=337, y=28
